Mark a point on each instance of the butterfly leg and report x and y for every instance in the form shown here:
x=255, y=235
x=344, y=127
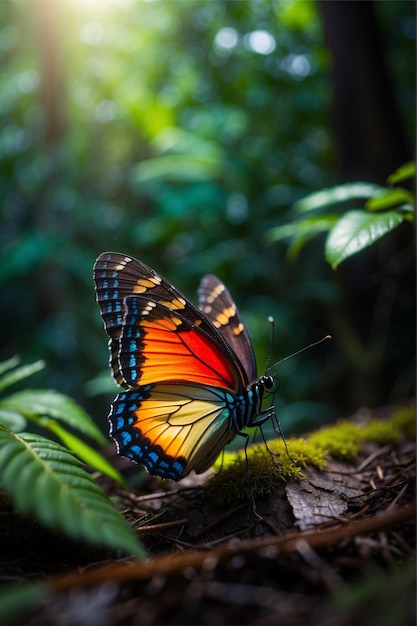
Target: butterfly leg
x=270, y=452
x=222, y=461
x=270, y=414
x=279, y=430
x=248, y=475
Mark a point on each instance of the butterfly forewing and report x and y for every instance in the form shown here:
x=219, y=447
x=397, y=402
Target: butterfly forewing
x=117, y=276
x=217, y=304
x=160, y=345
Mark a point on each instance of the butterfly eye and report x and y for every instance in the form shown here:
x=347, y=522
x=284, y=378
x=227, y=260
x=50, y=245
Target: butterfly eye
x=267, y=382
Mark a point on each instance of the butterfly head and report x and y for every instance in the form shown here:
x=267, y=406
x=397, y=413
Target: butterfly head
x=267, y=382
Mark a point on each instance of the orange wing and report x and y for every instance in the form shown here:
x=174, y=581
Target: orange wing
x=117, y=277
x=159, y=345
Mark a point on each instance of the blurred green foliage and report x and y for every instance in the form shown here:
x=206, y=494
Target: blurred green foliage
x=349, y=234
x=181, y=133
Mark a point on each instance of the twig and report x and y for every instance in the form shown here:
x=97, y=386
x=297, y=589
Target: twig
x=151, y=528
x=176, y=562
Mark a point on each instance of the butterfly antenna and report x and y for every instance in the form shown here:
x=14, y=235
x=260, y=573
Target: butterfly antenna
x=310, y=345
x=271, y=341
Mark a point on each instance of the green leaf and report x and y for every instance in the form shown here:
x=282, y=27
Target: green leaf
x=177, y=167
x=307, y=227
x=302, y=231
x=357, y=230
x=9, y=364
x=182, y=156
x=389, y=199
x=336, y=195
x=83, y=451
x=39, y=403
x=13, y=420
x=405, y=172
x=18, y=374
x=45, y=480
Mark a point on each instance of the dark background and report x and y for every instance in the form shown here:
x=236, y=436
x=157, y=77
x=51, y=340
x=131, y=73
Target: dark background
x=181, y=132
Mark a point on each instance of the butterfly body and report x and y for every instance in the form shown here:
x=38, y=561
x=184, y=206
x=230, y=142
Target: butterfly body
x=189, y=373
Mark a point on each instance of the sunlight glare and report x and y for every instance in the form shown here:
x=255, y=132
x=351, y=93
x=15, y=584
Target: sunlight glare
x=260, y=41
x=297, y=65
x=100, y=6
x=92, y=33
x=226, y=38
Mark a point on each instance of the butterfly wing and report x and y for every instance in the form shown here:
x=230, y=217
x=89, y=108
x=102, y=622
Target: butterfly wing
x=157, y=344
x=217, y=304
x=117, y=276
x=171, y=428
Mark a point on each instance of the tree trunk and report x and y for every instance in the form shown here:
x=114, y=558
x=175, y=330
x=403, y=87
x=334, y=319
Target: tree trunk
x=48, y=18
x=369, y=136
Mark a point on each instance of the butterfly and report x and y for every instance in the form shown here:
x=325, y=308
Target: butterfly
x=189, y=372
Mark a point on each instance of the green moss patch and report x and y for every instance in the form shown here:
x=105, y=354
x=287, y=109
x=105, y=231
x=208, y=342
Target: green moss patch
x=261, y=469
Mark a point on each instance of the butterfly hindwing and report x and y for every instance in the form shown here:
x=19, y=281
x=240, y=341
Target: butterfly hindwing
x=171, y=429
x=217, y=304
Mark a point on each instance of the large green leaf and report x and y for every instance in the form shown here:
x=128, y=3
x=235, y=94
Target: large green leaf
x=45, y=480
x=357, y=230
x=336, y=195
x=83, y=451
x=39, y=403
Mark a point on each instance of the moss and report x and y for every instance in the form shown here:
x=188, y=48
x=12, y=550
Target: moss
x=257, y=472
x=380, y=431
x=235, y=480
x=305, y=452
x=262, y=469
x=405, y=420
x=340, y=441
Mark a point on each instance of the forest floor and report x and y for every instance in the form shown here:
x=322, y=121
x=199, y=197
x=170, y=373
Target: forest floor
x=332, y=549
